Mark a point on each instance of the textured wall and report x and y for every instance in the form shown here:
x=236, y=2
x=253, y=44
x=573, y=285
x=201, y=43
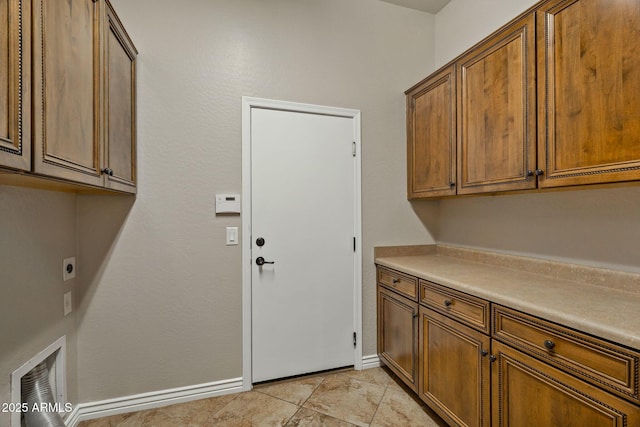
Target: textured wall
x=597, y=227
x=463, y=23
x=38, y=231
x=161, y=303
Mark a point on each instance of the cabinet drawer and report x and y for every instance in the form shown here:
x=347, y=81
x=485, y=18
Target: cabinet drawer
x=399, y=282
x=600, y=362
x=465, y=308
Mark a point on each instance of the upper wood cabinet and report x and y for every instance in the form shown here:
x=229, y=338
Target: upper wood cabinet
x=496, y=112
x=82, y=128
x=120, y=105
x=589, y=90
x=66, y=108
x=431, y=136
x=551, y=99
x=15, y=84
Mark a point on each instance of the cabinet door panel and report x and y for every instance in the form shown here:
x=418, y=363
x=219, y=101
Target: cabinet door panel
x=15, y=84
x=454, y=374
x=529, y=393
x=397, y=335
x=496, y=112
x=431, y=136
x=66, y=90
x=589, y=88
x=120, y=81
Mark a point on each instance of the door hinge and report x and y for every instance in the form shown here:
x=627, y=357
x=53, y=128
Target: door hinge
x=354, y=244
x=355, y=341
x=354, y=149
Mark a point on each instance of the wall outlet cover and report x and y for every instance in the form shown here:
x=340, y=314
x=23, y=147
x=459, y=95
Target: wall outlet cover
x=68, y=268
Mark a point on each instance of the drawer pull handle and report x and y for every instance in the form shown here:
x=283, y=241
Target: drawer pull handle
x=549, y=344
x=448, y=302
x=396, y=281
x=415, y=315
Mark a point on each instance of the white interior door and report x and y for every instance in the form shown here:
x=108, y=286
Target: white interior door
x=303, y=206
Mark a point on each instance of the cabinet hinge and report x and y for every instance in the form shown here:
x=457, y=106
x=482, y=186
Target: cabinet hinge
x=354, y=149
x=355, y=341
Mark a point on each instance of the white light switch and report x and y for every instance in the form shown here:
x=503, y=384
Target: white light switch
x=68, y=305
x=232, y=236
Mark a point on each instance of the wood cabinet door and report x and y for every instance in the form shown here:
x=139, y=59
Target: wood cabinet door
x=589, y=91
x=120, y=105
x=454, y=370
x=398, y=335
x=66, y=91
x=497, y=112
x=431, y=136
x=15, y=84
x=530, y=393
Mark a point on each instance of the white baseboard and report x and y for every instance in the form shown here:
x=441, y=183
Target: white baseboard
x=371, y=361
x=155, y=399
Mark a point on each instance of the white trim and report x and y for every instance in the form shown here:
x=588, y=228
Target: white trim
x=247, y=104
x=60, y=346
x=155, y=399
x=371, y=361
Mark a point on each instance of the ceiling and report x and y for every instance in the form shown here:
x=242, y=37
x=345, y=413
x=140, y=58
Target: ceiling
x=431, y=6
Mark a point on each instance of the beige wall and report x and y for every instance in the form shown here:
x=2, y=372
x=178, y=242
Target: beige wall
x=597, y=227
x=38, y=231
x=161, y=303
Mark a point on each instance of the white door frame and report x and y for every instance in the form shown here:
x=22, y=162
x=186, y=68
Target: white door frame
x=249, y=103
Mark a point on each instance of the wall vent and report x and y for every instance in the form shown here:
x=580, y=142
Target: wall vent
x=54, y=357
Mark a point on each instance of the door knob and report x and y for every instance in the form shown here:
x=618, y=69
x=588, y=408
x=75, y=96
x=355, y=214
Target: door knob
x=260, y=261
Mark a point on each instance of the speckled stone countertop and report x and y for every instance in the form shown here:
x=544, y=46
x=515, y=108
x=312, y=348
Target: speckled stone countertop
x=601, y=302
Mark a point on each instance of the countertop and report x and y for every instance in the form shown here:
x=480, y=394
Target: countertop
x=604, y=311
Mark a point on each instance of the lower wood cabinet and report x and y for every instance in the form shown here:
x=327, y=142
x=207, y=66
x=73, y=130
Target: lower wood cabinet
x=398, y=335
x=454, y=370
x=529, y=393
x=528, y=373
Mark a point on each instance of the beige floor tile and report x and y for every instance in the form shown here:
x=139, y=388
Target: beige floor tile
x=347, y=399
x=376, y=376
x=398, y=408
x=189, y=414
x=253, y=409
x=293, y=391
x=308, y=418
x=126, y=420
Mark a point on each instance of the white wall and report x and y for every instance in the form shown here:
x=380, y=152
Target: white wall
x=38, y=231
x=161, y=303
x=596, y=227
x=463, y=23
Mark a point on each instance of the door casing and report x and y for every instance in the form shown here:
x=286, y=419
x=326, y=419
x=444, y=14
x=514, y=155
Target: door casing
x=248, y=103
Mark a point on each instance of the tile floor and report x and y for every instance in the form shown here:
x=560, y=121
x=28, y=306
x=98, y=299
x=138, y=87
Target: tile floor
x=345, y=398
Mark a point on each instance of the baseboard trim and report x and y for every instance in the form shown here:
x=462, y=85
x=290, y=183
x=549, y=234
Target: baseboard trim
x=155, y=399
x=371, y=361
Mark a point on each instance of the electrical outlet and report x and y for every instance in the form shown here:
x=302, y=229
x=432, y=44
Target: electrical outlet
x=68, y=305
x=68, y=268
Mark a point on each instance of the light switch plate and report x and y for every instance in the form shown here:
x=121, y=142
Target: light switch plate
x=68, y=304
x=68, y=272
x=232, y=236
